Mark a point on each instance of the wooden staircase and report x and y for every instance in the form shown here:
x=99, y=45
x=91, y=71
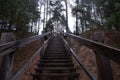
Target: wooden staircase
x=55, y=63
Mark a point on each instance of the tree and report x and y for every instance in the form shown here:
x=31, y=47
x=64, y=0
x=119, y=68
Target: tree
x=67, y=28
x=57, y=17
x=18, y=13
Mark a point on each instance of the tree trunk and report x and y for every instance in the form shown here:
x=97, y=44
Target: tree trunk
x=77, y=32
x=47, y=15
x=67, y=28
x=44, y=19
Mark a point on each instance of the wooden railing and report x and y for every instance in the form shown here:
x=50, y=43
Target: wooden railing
x=7, y=51
x=103, y=54
x=78, y=60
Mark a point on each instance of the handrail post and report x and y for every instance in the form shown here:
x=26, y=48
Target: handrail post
x=6, y=62
x=104, y=71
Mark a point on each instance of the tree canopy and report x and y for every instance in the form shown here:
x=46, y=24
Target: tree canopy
x=97, y=14
x=18, y=14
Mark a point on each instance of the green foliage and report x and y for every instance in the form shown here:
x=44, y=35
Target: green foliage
x=19, y=13
x=56, y=9
x=101, y=14
x=110, y=9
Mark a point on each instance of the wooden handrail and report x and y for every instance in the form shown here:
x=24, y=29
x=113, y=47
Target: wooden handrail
x=107, y=51
x=23, y=42
x=8, y=47
x=7, y=53
x=20, y=72
x=79, y=61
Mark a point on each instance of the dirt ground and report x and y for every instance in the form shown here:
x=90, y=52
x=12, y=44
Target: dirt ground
x=86, y=56
x=22, y=55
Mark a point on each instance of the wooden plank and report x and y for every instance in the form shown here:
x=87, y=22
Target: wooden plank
x=104, y=71
x=3, y=53
x=107, y=51
x=87, y=71
x=6, y=47
x=21, y=72
x=6, y=61
x=23, y=42
x=56, y=75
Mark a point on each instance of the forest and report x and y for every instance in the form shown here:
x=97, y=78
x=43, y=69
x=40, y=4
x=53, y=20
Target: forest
x=28, y=16
x=29, y=24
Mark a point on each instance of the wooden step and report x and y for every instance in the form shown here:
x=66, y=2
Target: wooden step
x=57, y=75
x=56, y=58
x=56, y=52
x=56, y=61
x=55, y=64
x=55, y=69
x=57, y=47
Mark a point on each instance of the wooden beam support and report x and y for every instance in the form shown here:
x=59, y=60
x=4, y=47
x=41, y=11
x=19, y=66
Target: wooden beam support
x=6, y=61
x=104, y=71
